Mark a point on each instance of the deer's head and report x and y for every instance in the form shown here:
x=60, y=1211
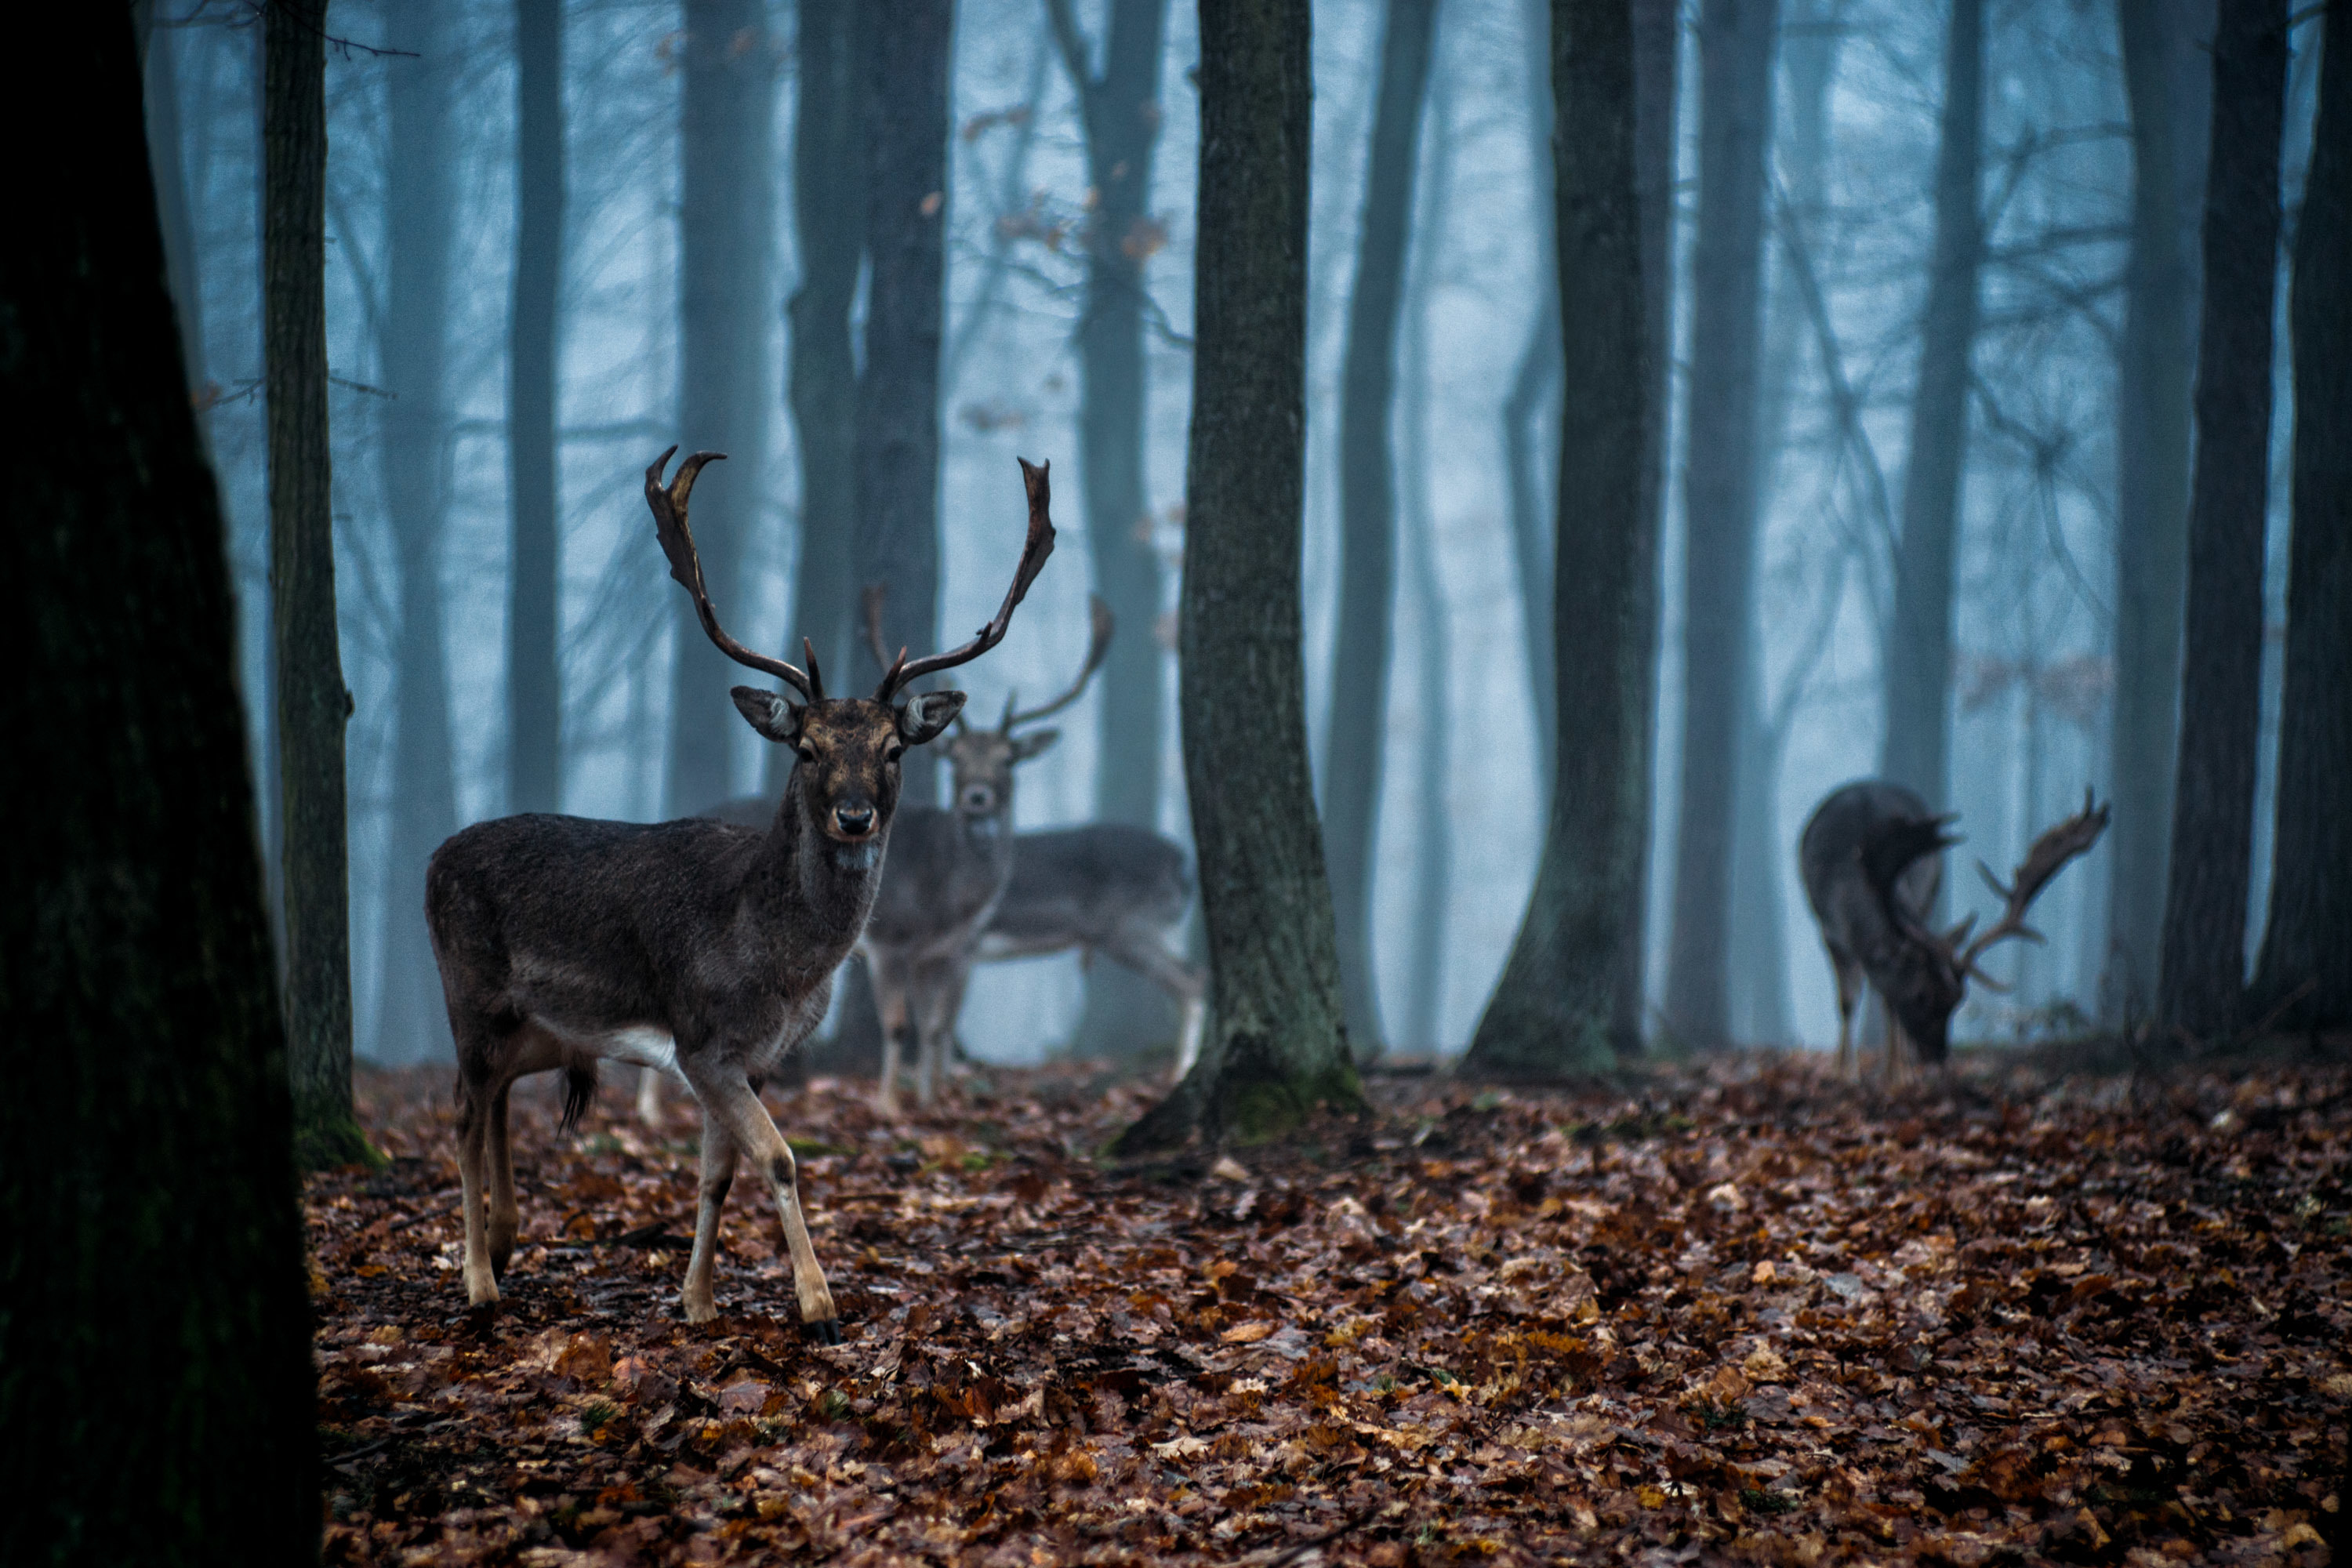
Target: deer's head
x=847, y=778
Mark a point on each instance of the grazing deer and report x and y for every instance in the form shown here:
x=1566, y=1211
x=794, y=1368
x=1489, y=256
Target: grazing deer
x=1868, y=856
x=693, y=944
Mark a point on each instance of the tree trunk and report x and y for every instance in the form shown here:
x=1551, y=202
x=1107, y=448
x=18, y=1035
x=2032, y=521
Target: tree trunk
x=1276, y=1042
x=897, y=541
x=2305, y=973
x=153, y=1246
x=410, y=1017
x=1736, y=39
x=1120, y=113
x=1526, y=450
x=1354, y=747
x=1554, y=1010
x=313, y=703
x=725, y=238
x=535, y=614
x=163, y=157
x=2152, y=437
x=828, y=220
x=2204, y=954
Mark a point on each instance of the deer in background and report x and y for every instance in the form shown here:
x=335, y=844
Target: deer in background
x=696, y=945
x=1869, y=857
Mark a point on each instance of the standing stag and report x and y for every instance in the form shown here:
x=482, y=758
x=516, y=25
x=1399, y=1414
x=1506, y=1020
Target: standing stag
x=1868, y=856
x=696, y=945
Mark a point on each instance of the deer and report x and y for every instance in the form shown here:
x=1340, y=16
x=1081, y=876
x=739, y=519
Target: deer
x=1869, y=859
x=695, y=945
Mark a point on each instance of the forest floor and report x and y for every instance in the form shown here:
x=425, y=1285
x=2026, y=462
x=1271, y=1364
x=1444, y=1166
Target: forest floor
x=1739, y=1313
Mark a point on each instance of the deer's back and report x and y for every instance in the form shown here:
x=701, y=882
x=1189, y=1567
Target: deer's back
x=1094, y=878
x=1829, y=857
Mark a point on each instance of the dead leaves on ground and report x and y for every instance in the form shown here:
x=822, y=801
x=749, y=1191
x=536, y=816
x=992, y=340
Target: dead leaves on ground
x=1742, y=1315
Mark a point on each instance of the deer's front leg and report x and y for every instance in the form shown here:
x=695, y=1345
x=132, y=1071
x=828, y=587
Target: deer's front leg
x=1849, y=991
x=727, y=1097
x=717, y=1174
x=473, y=1123
x=505, y=1216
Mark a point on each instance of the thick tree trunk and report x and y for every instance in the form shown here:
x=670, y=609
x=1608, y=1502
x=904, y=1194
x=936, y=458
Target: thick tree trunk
x=1355, y=747
x=1276, y=1042
x=313, y=703
x=2152, y=437
x=896, y=542
x=2204, y=954
x=1736, y=40
x=726, y=239
x=1554, y=1010
x=410, y=1017
x=2305, y=973
x=534, y=615
x=153, y=1248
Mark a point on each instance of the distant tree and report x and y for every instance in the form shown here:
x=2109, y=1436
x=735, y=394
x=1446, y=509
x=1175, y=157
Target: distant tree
x=534, y=679
x=152, y=1252
x=2305, y=973
x=1276, y=1042
x=1527, y=447
x=2204, y=968
x=1359, y=714
x=1554, y=1010
x=163, y=152
x=1735, y=42
x=312, y=702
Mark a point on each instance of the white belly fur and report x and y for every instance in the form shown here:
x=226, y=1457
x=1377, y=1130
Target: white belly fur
x=640, y=1044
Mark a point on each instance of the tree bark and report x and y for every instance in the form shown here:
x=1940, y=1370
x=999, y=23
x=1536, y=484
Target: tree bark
x=1277, y=1041
x=2152, y=446
x=897, y=543
x=2305, y=973
x=1736, y=40
x=313, y=703
x=410, y=1018
x=1354, y=747
x=534, y=589
x=1526, y=452
x=1555, y=1009
x=153, y=1247
x=726, y=239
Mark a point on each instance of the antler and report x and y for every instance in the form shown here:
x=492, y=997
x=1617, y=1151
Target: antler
x=1034, y=551
x=677, y=543
x=2049, y=855
x=1097, y=649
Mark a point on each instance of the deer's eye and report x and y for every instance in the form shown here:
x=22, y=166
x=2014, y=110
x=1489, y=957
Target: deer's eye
x=808, y=753
x=894, y=753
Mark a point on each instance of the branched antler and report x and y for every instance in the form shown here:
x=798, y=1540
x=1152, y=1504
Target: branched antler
x=668, y=506
x=1034, y=551
x=1097, y=649
x=2049, y=855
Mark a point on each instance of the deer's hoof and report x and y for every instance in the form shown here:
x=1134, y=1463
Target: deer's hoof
x=823, y=1331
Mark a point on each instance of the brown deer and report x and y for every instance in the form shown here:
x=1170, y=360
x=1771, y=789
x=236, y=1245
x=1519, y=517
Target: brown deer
x=694, y=944
x=1869, y=860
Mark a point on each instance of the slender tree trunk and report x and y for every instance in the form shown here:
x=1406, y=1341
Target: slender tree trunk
x=153, y=1247
x=2305, y=973
x=1353, y=749
x=1555, y=1007
x=1277, y=1043
x=1526, y=448
x=2152, y=445
x=1736, y=40
x=1918, y=657
x=164, y=155
x=535, y=614
x=313, y=703
x=897, y=543
x=726, y=239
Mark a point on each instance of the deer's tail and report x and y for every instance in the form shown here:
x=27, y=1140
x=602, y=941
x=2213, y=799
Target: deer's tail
x=578, y=1090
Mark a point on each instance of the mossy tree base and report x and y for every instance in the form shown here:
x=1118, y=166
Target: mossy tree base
x=331, y=1139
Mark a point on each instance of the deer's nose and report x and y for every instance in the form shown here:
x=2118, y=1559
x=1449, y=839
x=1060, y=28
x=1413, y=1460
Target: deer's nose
x=979, y=799
x=855, y=821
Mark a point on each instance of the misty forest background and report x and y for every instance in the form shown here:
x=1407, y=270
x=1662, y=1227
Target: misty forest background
x=468, y=243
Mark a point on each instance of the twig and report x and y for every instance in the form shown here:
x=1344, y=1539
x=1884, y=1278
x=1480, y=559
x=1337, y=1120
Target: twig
x=1352, y=1523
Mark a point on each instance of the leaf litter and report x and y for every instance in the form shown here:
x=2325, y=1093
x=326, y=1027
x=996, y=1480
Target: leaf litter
x=1737, y=1314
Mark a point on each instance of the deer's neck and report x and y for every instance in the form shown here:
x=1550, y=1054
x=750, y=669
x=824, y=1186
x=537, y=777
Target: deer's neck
x=817, y=889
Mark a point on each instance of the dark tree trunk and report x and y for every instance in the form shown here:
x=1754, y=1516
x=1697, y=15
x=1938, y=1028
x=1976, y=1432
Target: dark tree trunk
x=1276, y=1042
x=1554, y=1010
x=152, y=1249
x=410, y=1018
x=534, y=617
x=313, y=703
x=896, y=542
x=1736, y=39
x=1527, y=432
x=1918, y=657
x=1120, y=113
x=726, y=236
x=2152, y=445
x=2305, y=973
x=1354, y=748
x=829, y=221
x=2204, y=967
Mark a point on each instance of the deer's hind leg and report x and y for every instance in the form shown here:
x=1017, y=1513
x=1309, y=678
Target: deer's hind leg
x=727, y=1097
x=474, y=1098
x=1848, y=970
x=1148, y=955
x=717, y=1174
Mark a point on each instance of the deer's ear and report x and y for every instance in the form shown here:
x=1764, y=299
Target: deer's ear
x=772, y=715
x=1037, y=742
x=927, y=715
